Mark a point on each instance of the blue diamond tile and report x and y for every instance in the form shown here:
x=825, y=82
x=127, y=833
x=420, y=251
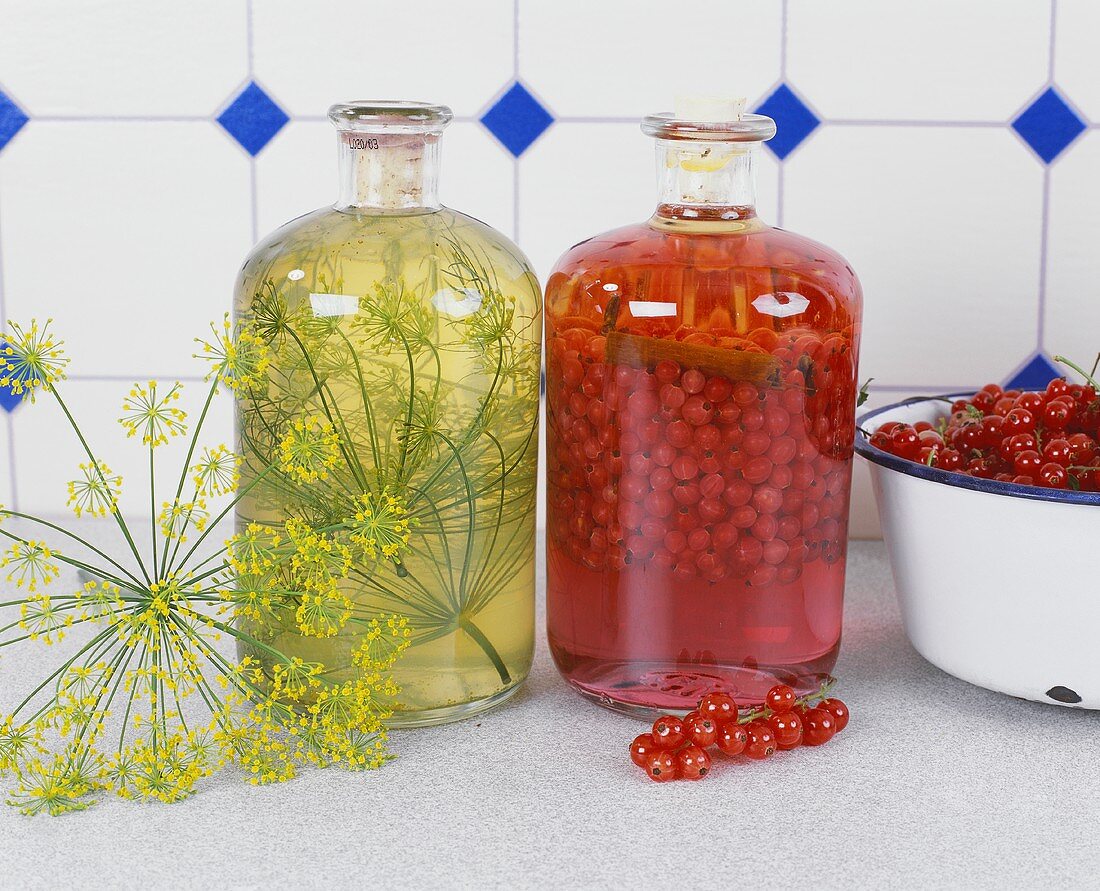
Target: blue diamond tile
x=1038, y=372
x=1048, y=125
x=9, y=402
x=12, y=120
x=253, y=119
x=517, y=119
x=793, y=120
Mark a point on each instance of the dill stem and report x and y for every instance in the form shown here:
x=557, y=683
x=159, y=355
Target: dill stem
x=482, y=641
x=187, y=464
x=79, y=540
x=117, y=513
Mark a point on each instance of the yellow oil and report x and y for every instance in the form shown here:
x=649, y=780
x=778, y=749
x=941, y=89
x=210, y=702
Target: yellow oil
x=418, y=336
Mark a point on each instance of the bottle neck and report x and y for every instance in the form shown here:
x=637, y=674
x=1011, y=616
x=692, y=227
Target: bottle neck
x=706, y=180
x=388, y=172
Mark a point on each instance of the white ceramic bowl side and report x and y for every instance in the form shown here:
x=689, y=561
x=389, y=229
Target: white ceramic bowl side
x=999, y=584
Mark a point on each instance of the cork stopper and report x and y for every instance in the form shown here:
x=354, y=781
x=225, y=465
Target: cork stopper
x=710, y=109
x=705, y=149
x=389, y=154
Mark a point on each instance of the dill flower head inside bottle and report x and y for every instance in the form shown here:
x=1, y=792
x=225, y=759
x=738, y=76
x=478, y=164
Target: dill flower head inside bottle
x=399, y=407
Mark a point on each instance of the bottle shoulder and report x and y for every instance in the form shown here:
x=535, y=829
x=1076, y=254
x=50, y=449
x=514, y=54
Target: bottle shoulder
x=663, y=278
x=442, y=246
x=749, y=243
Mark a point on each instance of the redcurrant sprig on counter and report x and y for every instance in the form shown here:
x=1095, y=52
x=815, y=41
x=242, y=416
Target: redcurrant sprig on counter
x=676, y=748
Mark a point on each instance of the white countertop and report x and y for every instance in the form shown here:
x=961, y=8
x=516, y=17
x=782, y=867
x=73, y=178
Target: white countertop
x=935, y=783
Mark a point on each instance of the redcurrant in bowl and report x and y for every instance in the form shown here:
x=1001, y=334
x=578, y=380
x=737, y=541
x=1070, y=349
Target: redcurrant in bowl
x=997, y=582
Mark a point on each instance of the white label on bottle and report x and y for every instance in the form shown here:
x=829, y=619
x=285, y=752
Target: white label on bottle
x=781, y=305
x=651, y=309
x=458, y=302
x=328, y=305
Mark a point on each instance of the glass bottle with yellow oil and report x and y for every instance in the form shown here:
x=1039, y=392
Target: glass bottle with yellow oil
x=399, y=409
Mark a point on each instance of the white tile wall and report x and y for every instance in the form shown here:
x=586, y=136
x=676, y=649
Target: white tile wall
x=77, y=58
x=124, y=205
x=1073, y=252
x=937, y=60
x=962, y=206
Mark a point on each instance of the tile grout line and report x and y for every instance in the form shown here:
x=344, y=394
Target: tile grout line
x=124, y=118
x=515, y=200
x=779, y=194
x=783, y=43
x=515, y=159
x=255, y=212
x=8, y=425
x=131, y=378
x=887, y=122
x=780, y=181
x=515, y=40
x=1053, y=31
x=249, y=40
x=1043, y=234
x=251, y=59
x=1044, y=223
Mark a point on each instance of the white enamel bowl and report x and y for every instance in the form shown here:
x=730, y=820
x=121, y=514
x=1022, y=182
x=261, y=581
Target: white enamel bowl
x=999, y=584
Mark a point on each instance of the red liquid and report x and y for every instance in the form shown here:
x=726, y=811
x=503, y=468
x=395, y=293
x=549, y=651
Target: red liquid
x=699, y=467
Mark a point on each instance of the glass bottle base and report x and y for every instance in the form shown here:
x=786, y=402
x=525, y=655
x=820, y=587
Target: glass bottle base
x=648, y=689
x=448, y=714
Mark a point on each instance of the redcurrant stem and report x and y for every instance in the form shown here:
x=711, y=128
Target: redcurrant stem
x=1088, y=377
x=764, y=712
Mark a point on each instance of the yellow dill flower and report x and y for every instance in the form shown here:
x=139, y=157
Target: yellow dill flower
x=294, y=678
x=309, y=449
x=154, y=417
x=84, y=683
x=380, y=525
x=121, y=772
x=97, y=493
x=322, y=612
x=217, y=472
x=237, y=361
x=48, y=789
x=31, y=564
x=315, y=558
x=163, y=768
x=254, y=550
x=17, y=741
x=99, y=600
x=43, y=620
x=251, y=595
x=383, y=643
x=30, y=358
x=177, y=516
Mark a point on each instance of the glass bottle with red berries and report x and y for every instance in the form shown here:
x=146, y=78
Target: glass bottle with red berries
x=701, y=389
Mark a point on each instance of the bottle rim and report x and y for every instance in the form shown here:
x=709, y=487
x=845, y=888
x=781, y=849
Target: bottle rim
x=749, y=128
x=395, y=116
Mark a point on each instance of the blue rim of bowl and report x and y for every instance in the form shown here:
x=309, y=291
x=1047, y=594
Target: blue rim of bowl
x=958, y=480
